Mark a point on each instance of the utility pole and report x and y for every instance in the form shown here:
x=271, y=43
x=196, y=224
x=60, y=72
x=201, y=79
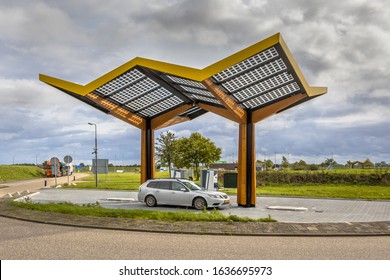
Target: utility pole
x=96, y=155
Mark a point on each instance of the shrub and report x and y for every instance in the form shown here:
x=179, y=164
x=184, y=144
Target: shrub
x=322, y=177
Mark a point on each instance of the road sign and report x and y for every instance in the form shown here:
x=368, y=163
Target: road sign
x=68, y=159
x=54, y=161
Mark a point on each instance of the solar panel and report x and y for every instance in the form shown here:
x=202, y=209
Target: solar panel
x=120, y=82
x=270, y=96
x=254, y=75
x=204, y=98
x=134, y=90
x=150, y=98
x=187, y=82
x=164, y=105
x=197, y=91
x=263, y=86
x=191, y=111
x=246, y=64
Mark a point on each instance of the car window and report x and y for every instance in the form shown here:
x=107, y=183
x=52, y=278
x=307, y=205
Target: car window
x=192, y=186
x=152, y=185
x=176, y=186
x=164, y=185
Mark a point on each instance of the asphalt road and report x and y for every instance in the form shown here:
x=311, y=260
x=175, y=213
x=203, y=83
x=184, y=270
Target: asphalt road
x=26, y=240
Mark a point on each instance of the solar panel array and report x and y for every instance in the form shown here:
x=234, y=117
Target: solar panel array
x=195, y=90
x=258, y=80
x=252, y=83
x=139, y=94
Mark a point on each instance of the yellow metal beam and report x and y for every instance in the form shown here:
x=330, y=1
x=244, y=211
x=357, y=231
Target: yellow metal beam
x=169, y=68
x=164, y=67
x=294, y=65
x=62, y=84
x=315, y=91
x=262, y=113
x=236, y=111
x=186, y=72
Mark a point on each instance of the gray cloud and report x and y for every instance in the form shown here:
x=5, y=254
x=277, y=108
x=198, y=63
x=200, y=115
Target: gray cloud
x=344, y=45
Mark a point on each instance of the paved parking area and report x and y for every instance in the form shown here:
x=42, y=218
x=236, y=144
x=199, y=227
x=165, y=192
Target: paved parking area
x=316, y=210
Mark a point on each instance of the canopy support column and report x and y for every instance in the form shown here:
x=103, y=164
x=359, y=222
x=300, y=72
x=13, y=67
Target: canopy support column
x=147, y=153
x=246, y=188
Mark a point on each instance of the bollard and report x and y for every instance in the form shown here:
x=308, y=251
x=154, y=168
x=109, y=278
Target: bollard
x=74, y=178
x=45, y=183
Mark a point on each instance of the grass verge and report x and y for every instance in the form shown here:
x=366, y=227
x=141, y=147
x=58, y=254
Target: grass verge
x=19, y=172
x=329, y=191
x=324, y=191
x=97, y=211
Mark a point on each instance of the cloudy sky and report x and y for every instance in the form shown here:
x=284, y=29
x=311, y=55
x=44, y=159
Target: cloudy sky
x=344, y=45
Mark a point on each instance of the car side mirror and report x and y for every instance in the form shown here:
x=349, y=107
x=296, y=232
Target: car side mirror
x=183, y=189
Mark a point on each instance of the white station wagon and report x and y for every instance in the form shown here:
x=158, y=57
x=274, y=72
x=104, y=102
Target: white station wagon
x=180, y=192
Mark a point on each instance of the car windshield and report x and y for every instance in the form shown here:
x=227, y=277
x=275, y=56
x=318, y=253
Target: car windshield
x=192, y=186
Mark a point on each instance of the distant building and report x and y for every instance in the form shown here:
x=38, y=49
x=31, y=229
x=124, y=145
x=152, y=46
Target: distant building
x=224, y=165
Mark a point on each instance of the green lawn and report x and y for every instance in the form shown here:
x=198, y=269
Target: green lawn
x=97, y=211
x=326, y=191
x=115, y=181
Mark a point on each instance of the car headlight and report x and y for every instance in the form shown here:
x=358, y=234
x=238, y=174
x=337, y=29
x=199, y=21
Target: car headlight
x=213, y=195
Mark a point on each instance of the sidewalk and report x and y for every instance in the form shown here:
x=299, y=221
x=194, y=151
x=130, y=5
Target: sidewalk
x=33, y=185
x=210, y=228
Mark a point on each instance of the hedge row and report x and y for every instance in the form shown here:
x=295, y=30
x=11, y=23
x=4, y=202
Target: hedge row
x=320, y=177
x=265, y=177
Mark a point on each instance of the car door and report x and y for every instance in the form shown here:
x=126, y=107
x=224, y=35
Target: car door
x=163, y=192
x=179, y=194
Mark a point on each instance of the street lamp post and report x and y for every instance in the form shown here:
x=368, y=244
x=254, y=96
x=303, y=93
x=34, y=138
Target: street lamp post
x=96, y=155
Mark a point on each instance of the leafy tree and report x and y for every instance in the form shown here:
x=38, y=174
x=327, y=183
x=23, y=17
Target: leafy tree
x=313, y=167
x=299, y=165
x=381, y=164
x=194, y=151
x=268, y=164
x=367, y=163
x=285, y=162
x=165, y=148
x=260, y=163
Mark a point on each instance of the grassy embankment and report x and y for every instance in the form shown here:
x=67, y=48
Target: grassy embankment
x=19, y=172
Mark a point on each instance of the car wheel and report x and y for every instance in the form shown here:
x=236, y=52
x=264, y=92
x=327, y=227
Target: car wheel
x=150, y=201
x=200, y=203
